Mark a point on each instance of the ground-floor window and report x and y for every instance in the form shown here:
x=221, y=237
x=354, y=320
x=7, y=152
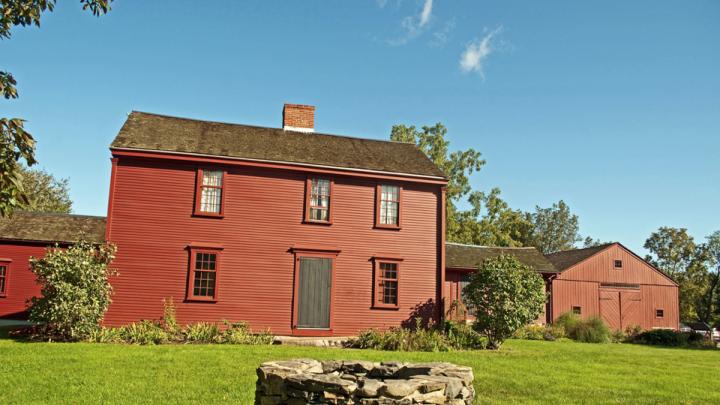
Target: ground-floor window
x=203, y=274
x=387, y=283
x=577, y=310
x=659, y=313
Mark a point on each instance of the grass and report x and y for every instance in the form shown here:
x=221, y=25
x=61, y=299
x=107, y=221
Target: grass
x=523, y=371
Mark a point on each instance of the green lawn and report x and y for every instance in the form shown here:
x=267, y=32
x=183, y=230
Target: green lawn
x=524, y=371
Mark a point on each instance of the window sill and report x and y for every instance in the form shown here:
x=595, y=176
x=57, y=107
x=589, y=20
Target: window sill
x=390, y=227
x=207, y=215
x=316, y=222
x=200, y=299
x=386, y=307
x=3, y=295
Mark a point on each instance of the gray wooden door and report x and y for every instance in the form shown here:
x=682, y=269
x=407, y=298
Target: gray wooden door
x=314, y=284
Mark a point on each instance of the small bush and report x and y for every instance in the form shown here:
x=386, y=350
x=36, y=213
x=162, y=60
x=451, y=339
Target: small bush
x=144, y=333
x=106, y=335
x=202, y=332
x=169, y=320
x=540, y=332
x=74, y=290
x=239, y=333
x=454, y=336
x=668, y=337
x=463, y=336
x=590, y=330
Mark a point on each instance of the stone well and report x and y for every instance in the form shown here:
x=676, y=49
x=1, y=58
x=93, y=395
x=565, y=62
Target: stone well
x=306, y=381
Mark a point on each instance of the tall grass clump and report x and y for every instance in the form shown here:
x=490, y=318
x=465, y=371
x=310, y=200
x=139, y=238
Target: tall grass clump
x=590, y=330
x=418, y=339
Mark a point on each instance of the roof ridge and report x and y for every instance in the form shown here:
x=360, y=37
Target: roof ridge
x=490, y=247
x=57, y=214
x=603, y=245
x=273, y=128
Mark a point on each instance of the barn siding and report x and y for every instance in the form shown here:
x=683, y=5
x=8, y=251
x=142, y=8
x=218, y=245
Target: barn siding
x=581, y=283
x=21, y=282
x=152, y=224
x=600, y=268
x=567, y=294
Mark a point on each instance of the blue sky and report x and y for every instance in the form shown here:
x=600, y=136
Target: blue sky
x=613, y=106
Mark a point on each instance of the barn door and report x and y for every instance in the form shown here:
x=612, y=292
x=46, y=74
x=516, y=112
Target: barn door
x=610, y=309
x=630, y=307
x=314, y=292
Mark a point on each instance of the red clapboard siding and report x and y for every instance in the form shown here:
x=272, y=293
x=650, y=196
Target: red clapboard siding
x=646, y=290
x=152, y=225
x=21, y=285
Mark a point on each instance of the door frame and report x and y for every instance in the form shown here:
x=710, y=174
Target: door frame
x=317, y=253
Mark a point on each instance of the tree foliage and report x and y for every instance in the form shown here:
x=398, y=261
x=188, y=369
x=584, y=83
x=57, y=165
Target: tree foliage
x=675, y=252
x=506, y=295
x=490, y=222
x=554, y=228
x=457, y=165
x=16, y=144
x=44, y=192
x=75, y=291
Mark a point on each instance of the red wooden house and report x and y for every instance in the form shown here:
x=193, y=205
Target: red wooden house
x=612, y=282
x=300, y=232
x=26, y=235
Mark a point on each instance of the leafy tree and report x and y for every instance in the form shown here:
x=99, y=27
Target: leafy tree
x=44, y=192
x=491, y=222
x=675, y=252
x=16, y=144
x=710, y=304
x=457, y=166
x=75, y=291
x=506, y=295
x=554, y=229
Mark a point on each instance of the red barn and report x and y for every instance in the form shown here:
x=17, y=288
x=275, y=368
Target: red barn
x=26, y=235
x=300, y=232
x=614, y=283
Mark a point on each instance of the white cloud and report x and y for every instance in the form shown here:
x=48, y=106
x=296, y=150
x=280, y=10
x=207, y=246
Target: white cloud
x=476, y=53
x=414, y=25
x=426, y=13
x=441, y=36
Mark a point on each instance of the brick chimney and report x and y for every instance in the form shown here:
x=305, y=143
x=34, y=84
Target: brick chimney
x=298, y=117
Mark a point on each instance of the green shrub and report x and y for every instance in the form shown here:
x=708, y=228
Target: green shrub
x=202, y=332
x=144, y=333
x=169, y=320
x=454, y=336
x=590, y=330
x=239, y=333
x=668, y=337
x=540, y=332
x=106, y=335
x=74, y=290
x=462, y=336
x=505, y=295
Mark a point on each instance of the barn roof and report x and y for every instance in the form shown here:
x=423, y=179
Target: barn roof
x=153, y=132
x=568, y=258
x=470, y=256
x=52, y=227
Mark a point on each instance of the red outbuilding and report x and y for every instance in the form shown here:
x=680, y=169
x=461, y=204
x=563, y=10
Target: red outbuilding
x=614, y=283
x=26, y=235
x=288, y=229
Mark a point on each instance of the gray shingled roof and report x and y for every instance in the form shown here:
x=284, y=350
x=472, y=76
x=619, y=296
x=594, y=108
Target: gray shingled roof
x=181, y=135
x=568, y=258
x=51, y=227
x=470, y=256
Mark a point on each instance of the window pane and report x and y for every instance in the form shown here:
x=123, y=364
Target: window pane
x=319, y=199
x=389, y=204
x=3, y=272
x=389, y=292
x=210, y=199
x=212, y=178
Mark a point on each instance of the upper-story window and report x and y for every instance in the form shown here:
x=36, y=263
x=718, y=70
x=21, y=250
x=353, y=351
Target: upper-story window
x=210, y=192
x=3, y=278
x=387, y=213
x=319, y=193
